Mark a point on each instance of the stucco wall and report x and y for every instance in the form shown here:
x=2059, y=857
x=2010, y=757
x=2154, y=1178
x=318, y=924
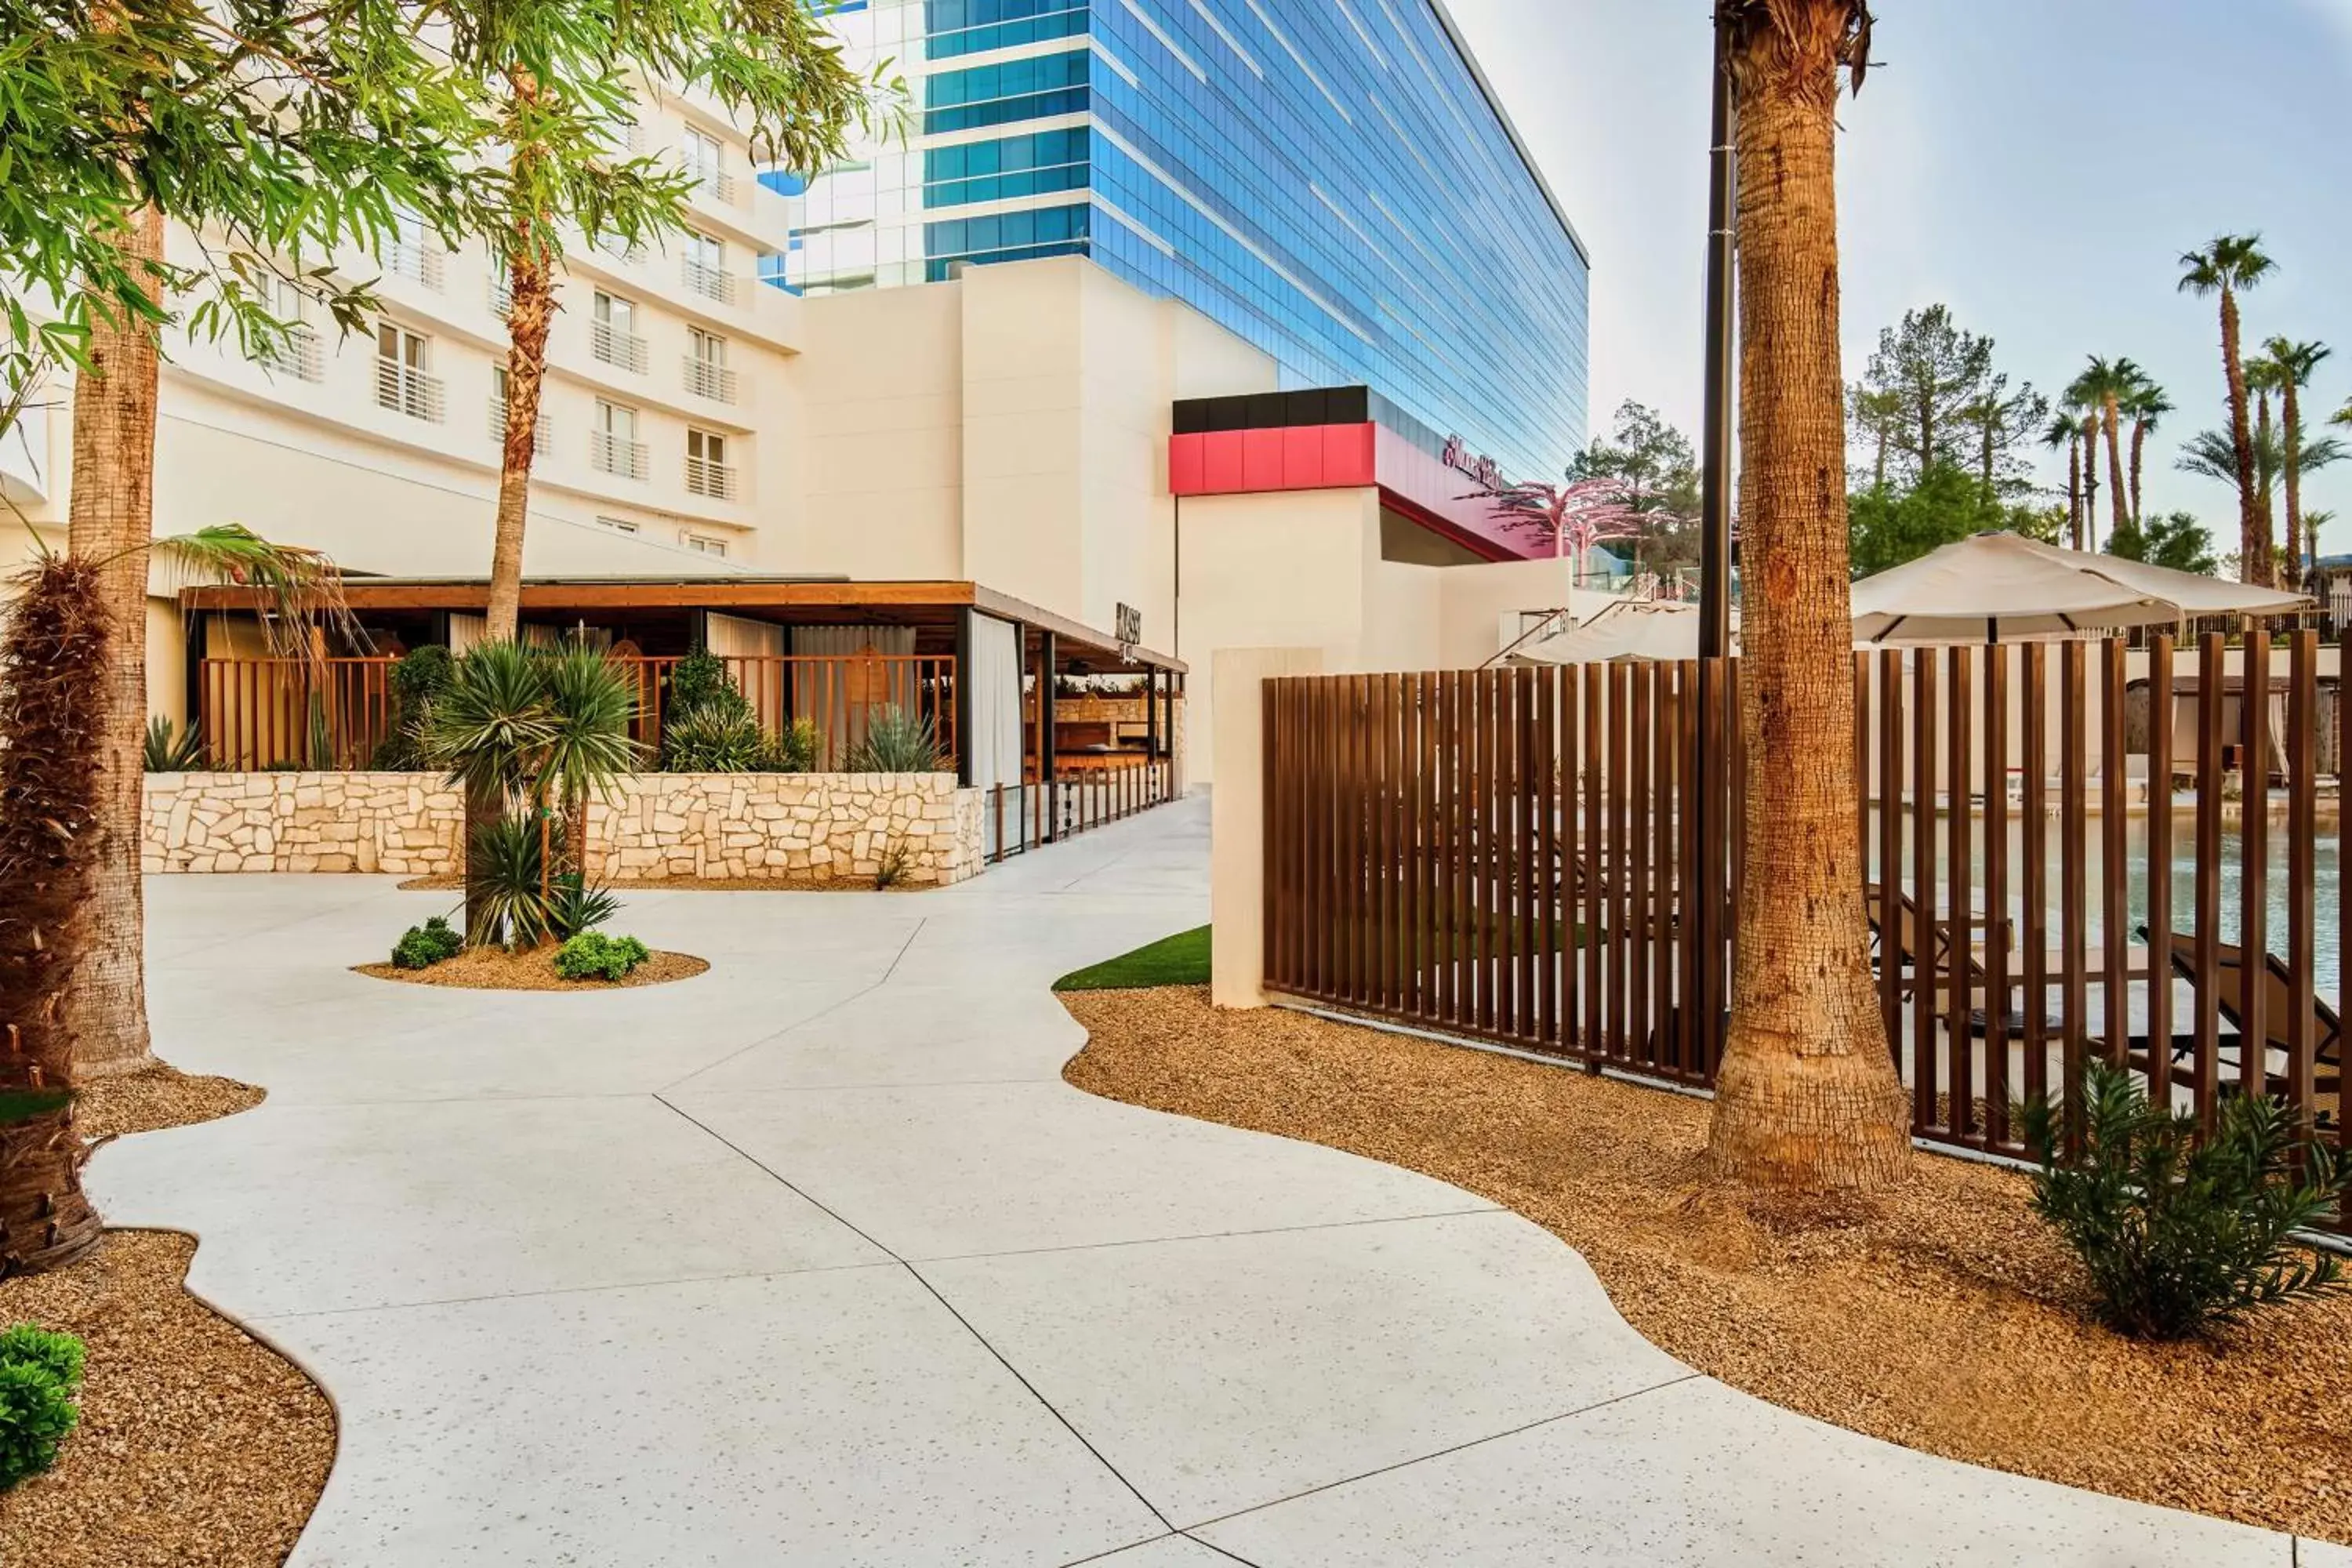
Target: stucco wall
x=665, y=826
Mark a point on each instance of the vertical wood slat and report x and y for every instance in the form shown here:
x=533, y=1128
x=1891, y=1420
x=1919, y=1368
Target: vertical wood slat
x=2254, y=878
x=1620, y=703
x=1890, y=847
x=2343, y=919
x=2302, y=833
x=1572, y=862
x=1528, y=873
x=1549, y=879
x=1458, y=947
x=1635, y=865
x=2115, y=908
x=2073, y=834
x=1960, y=1113
x=1381, y=990
x=1510, y=846
x=2206, y=1072
x=1665, y=870
x=1596, y=978
x=1688, y=892
x=1489, y=867
x=1998, y=972
x=1426, y=919
x=2159, y=868
x=1922, y=889
x=1736, y=814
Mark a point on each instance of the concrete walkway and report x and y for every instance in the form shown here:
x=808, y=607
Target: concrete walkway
x=815, y=1261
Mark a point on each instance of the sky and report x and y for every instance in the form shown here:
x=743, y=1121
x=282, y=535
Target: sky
x=2039, y=165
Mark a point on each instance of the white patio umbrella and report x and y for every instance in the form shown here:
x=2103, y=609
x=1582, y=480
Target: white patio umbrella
x=2004, y=587
x=1635, y=629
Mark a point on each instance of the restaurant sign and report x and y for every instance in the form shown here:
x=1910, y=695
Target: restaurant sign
x=1129, y=627
x=1483, y=468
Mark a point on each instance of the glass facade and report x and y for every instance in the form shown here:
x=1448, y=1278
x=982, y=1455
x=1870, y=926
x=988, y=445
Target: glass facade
x=1330, y=182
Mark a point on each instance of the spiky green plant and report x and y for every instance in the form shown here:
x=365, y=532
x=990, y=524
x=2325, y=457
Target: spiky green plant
x=492, y=724
x=172, y=750
x=505, y=883
x=2182, y=1234
x=796, y=751
x=714, y=737
x=591, y=751
x=896, y=742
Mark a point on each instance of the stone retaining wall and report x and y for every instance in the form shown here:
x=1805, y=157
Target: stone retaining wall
x=663, y=826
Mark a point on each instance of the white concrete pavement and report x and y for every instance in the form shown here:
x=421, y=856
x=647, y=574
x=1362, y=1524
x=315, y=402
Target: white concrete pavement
x=815, y=1260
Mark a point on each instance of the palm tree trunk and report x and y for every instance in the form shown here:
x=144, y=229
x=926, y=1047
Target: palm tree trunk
x=2253, y=543
x=46, y=1218
x=2119, y=493
x=528, y=320
x=2139, y=452
x=2263, y=485
x=110, y=522
x=1807, y=1097
x=2292, y=413
x=2090, y=481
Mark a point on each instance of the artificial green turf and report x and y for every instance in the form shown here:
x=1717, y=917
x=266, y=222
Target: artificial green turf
x=1179, y=959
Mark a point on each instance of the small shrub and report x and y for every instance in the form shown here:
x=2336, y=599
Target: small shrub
x=700, y=681
x=793, y=751
x=575, y=906
x=426, y=945
x=712, y=738
x=896, y=742
x=40, y=1378
x=891, y=868
x=2182, y=1236
x=170, y=750
x=593, y=955
x=417, y=678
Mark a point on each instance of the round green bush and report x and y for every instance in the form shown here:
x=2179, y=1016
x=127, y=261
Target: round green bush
x=423, y=946
x=41, y=1376
x=593, y=955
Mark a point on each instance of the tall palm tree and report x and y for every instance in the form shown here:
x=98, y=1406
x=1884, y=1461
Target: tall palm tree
x=2262, y=381
x=1807, y=1098
x=2090, y=418
x=2145, y=405
x=2064, y=431
x=2233, y=264
x=2101, y=389
x=2292, y=365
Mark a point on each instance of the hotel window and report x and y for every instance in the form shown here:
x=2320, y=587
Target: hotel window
x=297, y=353
x=541, y=431
x=703, y=544
x=403, y=383
x=707, y=470
x=706, y=163
x=707, y=375
x=613, y=332
x=613, y=444
x=414, y=252
x=1002, y=94
x=705, y=267
x=617, y=524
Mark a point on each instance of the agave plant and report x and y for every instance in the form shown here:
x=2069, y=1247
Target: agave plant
x=896, y=742
x=591, y=750
x=712, y=738
x=506, y=895
x=172, y=750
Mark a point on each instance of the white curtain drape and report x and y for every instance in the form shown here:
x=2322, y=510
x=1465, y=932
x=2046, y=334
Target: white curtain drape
x=996, y=682
x=841, y=696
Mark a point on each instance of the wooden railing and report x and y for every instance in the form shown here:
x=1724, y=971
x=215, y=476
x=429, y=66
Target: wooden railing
x=260, y=713
x=1016, y=818
x=1516, y=856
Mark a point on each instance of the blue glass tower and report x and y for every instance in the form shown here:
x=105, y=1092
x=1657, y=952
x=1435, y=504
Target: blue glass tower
x=1333, y=182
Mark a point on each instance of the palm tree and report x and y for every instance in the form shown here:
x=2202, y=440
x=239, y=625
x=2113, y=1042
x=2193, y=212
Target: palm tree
x=2146, y=404
x=2262, y=380
x=2064, y=431
x=2291, y=365
x=56, y=645
x=590, y=749
x=2233, y=264
x=1807, y=1098
x=2101, y=389
x=2212, y=455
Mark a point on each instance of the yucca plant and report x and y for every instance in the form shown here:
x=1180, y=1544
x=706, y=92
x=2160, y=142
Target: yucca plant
x=896, y=742
x=172, y=750
x=591, y=750
x=575, y=906
x=713, y=738
x=2182, y=1234
x=507, y=894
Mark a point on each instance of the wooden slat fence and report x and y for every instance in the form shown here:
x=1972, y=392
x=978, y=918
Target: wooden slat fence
x=2060, y=864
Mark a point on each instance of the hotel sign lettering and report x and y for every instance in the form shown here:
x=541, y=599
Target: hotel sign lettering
x=1483, y=468
x=1128, y=622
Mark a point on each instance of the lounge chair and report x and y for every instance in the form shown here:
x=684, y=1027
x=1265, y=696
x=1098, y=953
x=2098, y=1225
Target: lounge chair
x=2278, y=1005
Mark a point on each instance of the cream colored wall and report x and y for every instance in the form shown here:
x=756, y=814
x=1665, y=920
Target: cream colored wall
x=877, y=413
x=1023, y=389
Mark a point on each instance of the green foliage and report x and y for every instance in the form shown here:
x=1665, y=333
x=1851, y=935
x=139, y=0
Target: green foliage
x=423, y=946
x=490, y=724
x=2180, y=541
x=896, y=742
x=796, y=751
x=890, y=867
x=573, y=906
x=593, y=955
x=700, y=681
x=589, y=749
x=23, y=1104
x=2212, y=455
x=1889, y=526
x=418, y=679
x=1657, y=472
x=171, y=750
x=1179, y=959
x=715, y=738
x=40, y=1380
x=2181, y=1236
x=503, y=881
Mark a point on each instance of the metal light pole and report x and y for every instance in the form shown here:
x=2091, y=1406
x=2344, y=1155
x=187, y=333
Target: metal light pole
x=1711, y=1004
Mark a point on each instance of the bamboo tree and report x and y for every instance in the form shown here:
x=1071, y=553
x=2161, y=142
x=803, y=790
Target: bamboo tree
x=277, y=137
x=1807, y=1098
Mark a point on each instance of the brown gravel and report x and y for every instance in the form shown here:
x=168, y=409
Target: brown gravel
x=449, y=884
x=197, y=1445
x=1943, y=1317
x=493, y=969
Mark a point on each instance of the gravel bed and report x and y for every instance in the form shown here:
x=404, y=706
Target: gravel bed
x=197, y=1445
x=1942, y=1318
x=445, y=883
x=494, y=969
